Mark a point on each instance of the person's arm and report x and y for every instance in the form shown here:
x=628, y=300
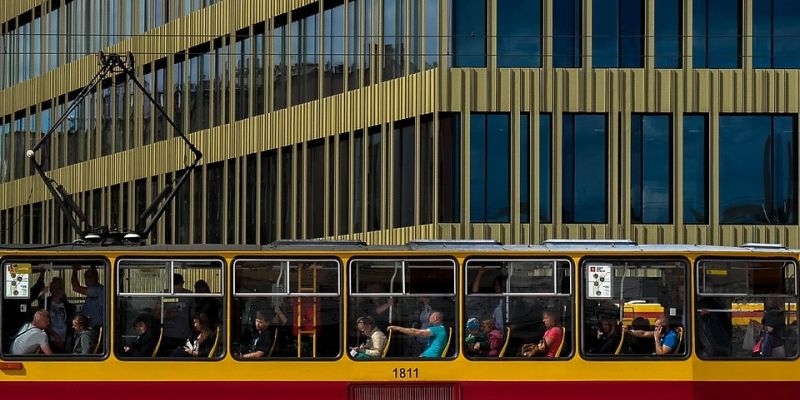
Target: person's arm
x=76, y=284
x=46, y=349
x=281, y=316
x=86, y=344
x=385, y=306
x=378, y=342
x=255, y=354
x=637, y=332
x=476, y=284
x=57, y=339
x=410, y=331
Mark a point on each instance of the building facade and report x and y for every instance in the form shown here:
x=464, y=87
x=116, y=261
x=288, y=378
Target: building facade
x=662, y=121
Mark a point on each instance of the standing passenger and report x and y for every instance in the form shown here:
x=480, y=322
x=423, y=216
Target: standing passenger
x=177, y=318
x=93, y=307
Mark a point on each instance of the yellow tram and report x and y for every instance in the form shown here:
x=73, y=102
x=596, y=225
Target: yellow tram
x=201, y=310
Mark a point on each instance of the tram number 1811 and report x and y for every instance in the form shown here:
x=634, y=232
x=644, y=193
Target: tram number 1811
x=405, y=373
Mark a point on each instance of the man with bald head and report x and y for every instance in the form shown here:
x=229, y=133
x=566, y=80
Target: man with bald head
x=436, y=334
x=664, y=338
x=33, y=336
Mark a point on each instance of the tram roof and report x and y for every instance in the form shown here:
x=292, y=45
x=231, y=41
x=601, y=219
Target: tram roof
x=455, y=246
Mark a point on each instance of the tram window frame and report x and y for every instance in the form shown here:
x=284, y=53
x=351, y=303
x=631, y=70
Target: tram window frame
x=286, y=294
x=687, y=322
x=700, y=296
x=170, y=293
x=67, y=263
x=451, y=316
x=557, y=294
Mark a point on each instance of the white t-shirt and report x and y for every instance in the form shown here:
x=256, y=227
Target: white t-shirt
x=28, y=340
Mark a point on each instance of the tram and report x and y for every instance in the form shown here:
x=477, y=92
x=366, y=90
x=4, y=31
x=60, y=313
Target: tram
x=732, y=311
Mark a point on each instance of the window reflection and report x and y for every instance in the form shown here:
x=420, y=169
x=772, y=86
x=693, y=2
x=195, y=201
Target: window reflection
x=519, y=33
x=469, y=33
x=584, y=168
x=651, y=176
x=695, y=169
x=567, y=32
x=717, y=33
x=775, y=34
x=618, y=34
x=490, y=167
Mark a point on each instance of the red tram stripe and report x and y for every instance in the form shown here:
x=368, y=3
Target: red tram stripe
x=652, y=390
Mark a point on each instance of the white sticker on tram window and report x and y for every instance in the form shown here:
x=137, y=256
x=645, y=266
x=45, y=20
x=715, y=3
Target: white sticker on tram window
x=17, y=281
x=600, y=280
x=672, y=312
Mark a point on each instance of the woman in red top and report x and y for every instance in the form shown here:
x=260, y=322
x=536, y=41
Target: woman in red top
x=551, y=341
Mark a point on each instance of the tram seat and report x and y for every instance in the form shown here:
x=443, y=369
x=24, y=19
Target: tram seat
x=98, y=345
x=621, y=341
x=158, y=343
x=679, y=331
x=274, y=344
x=213, y=351
x=505, y=342
x=563, y=340
x=386, y=345
x=449, y=339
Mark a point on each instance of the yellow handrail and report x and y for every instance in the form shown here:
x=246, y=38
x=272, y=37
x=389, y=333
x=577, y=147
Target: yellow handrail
x=505, y=344
x=447, y=346
x=561, y=345
x=386, y=345
x=214, y=347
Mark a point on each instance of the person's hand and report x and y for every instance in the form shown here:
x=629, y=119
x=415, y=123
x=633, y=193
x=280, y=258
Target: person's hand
x=126, y=349
x=624, y=329
x=390, y=301
x=477, y=346
x=657, y=332
x=391, y=328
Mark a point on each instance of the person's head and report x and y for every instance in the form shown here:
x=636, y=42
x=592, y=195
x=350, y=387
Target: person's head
x=177, y=280
x=365, y=325
x=550, y=318
x=41, y=319
x=487, y=323
x=201, y=323
x=262, y=321
x=142, y=324
x=435, y=318
x=608, y=325
x=80, y=322
x=91, y=277
x=201, y=286
x=57, y=287
x=662, y=322
x=473, y=326
x=773, y=321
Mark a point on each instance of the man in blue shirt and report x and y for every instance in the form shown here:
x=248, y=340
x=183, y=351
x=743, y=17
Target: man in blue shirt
x=437, y=335
x=666, y=340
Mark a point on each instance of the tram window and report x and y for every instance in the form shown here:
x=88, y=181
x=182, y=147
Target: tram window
x=41, y=298
x=746, y=309
x=286, y=309
x=170, y=309
x=513, y=306
x=408, y=294
x=634, y=308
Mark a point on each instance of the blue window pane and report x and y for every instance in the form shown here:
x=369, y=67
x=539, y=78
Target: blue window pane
x=469, y=33
x=545, y=183
x=758, y=178
x=519, y=33
x=695, y=169
x=567, y=33
x=631, y=32
x=668, y=34
x=717, y=33
x=524, y=169
x=490, y=168
x=477, y=173
x=605, y=36
x=584, y=157
x=775, y=34
x=651, y=163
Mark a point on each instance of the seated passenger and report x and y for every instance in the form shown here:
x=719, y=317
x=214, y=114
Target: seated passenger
x=608, y=336
x=474, y=336
x=32, y=337
x=262, y=340
x=664, y=338
x=437, y=335
x=84, y=339
x=202, y=344
x=551, y=341
x=144, y=344
x=376, y=340
x=771, y=343
x=491, y=339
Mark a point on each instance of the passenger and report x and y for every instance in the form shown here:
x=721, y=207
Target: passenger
x=474, y=336
x=376, y=340
x=61, y=313
x=144, y=344
x=19, y=312
x=377, y=307
x=177, y=319
x=771, y=341
x=491, y=305
x=491, y=346
x=32, y=337
x=262, y=340
x=608, y=336
x=437, y=335
x=665, y=339
x=94, y=306
x=202, y=344
x=551, y=341
x=84, y=339
x=206, y=305
x=714, y=330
